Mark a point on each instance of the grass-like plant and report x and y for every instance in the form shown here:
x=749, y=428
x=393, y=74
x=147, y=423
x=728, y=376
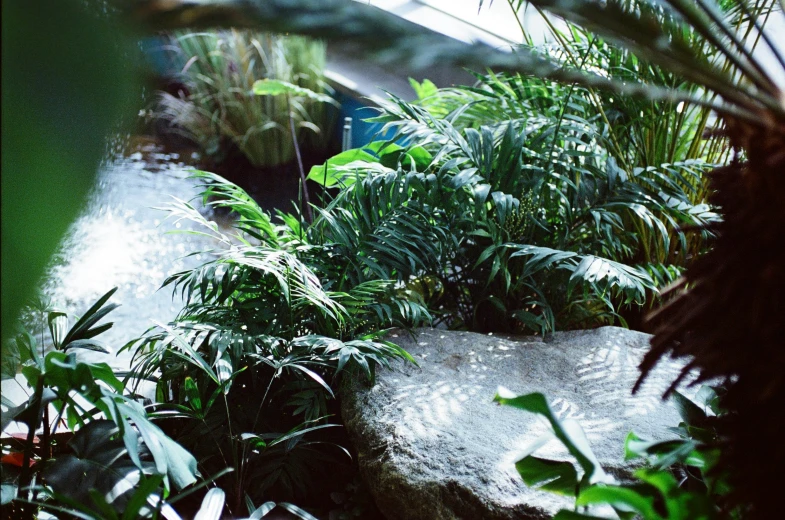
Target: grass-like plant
x=221, y=109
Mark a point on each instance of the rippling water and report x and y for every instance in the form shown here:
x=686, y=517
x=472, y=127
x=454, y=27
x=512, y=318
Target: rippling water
x=122, y=240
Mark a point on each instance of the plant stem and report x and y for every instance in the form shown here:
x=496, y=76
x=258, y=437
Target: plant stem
x=308, y=213
x=32, y=424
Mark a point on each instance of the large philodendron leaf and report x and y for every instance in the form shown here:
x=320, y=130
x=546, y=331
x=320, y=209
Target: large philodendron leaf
x=99, y=462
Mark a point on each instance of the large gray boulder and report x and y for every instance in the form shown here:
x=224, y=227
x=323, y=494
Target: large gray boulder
x=432, y=444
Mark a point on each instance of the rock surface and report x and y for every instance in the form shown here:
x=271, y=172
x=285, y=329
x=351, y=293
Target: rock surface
x=432, y=445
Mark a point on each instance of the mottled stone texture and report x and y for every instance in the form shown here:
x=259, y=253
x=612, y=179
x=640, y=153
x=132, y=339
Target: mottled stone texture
x=432, y=444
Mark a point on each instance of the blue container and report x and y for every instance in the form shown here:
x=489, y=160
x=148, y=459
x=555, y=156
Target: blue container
x=358, y=109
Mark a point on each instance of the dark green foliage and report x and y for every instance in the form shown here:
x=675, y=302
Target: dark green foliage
x=115, y=448
x=505, y=214
x=721, y=315
x=680, y=481
x=733, y=289
x=245, y=374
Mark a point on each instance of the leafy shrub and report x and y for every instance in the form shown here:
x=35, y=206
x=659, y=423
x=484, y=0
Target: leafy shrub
x=246, y=371
x=630, y=131
x=680, y=481
x=702, y=322
x=115, y=447
x=508, y=216
x=221, y=110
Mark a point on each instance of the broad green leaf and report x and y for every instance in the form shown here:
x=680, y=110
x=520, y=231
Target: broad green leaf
x=170, y=458
x=329, y=174
x=275, y=87
x=690, y=412
x=568, y=432
x=662, y=454
x=549, y=475
x=624, y=498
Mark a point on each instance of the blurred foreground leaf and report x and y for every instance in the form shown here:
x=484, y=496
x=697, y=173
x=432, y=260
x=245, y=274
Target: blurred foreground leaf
x=65, y=79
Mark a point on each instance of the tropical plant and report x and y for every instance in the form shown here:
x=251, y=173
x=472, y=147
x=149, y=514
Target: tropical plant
x=246, y=371
x=221, y=110
x=726, y=297
x=512, y=213
x=743, y=265
x=673, y=169
x=733, y=286
x=115, y=446
x=679, y=481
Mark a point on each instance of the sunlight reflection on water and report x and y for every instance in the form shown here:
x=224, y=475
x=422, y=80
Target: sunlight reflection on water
x=121, y=240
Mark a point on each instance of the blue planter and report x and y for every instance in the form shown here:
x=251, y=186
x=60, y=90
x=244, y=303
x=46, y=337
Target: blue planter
x=358, y=109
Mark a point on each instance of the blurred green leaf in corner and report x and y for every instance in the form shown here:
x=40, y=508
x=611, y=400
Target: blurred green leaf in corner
x=66, y=78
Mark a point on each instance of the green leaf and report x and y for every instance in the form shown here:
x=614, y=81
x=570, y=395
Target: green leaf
x=313, y=375
x=568, y=432
x=549, y=475
x=689, y=412
x=624, y=498
x=299, y=512
x=170, y=458
x=262, y=511
x=28, y=349
x=275, y=87
x=29, y=412
x=662, y=454
x=212, y=505
x=82, y=328
x=87, y=344
x=338, y=168
x=146, y=487
x=192, y=396
x=97, y=461
x=57, y=321
x=297, y=432
x=423, y=90
x=255, y=441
